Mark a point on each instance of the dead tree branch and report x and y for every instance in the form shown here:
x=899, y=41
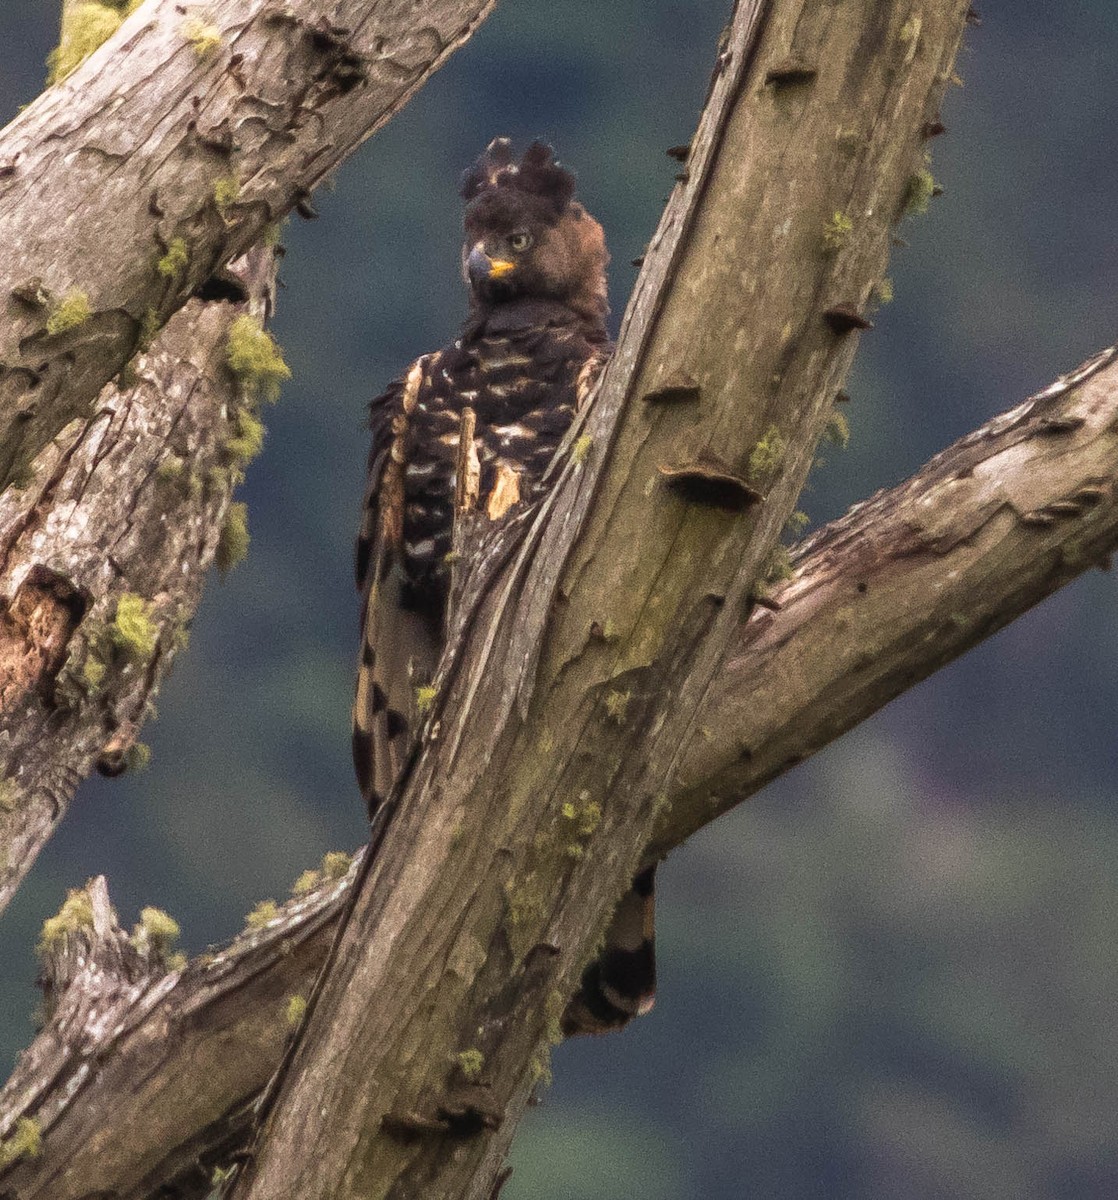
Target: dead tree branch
x=103, y=553
x=186, y=137
x=549, y=748
x=163, y=155
x=853, y=629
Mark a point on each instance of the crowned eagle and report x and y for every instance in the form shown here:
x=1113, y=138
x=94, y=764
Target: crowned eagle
x=533, y=345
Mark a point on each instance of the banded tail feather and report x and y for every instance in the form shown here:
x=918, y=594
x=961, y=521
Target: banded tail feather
x=620, y=983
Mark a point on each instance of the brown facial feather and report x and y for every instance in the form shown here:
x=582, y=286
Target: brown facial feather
x=565, y=260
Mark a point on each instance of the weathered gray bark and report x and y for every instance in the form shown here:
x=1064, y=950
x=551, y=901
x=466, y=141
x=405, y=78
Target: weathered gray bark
x=562, y=724
x=122, y=190
x=143, y=1078
x=906, y=582
x=165, y=135
x=125, y=508
x=988, y=528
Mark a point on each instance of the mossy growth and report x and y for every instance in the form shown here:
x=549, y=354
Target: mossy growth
x=219, y=480
x=247, y=439
x=84, y=28
x=255, y=359
x=836, y=233
x=226, y=191
x=75, y=915
x=133, y=632
x=233, y=542
x=154, y=934
x=527, y=899
x=768, y=454
x=68, y=312
x=837, y=430
x=265, y=911
x=797, y=522
x=581, y=448
x=425, y=698
x=540, y=1065
x=471, y=1063
x=9, y=795
x=306, y=883
x=616, y=704
x=161, y=928
x=335, y=865
x=883, y=291
x=137, y=758
x=93, y=670
x=25, y=1141
x=778, y=566
x=150, y=325
x=170, y=469
x=176, y=259
x=294, y=1011
x=581, y=819
x=204, y=37
x=540, y=1068
x=919, y=191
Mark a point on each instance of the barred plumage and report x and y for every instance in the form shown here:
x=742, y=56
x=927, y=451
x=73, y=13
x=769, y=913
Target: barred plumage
x=527, y=357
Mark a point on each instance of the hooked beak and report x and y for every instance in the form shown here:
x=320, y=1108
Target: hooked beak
x=481, y=268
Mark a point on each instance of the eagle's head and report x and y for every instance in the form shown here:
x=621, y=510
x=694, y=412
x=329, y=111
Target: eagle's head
x=526, y=235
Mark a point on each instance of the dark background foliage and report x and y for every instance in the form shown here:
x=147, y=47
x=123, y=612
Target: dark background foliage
x=894, y=973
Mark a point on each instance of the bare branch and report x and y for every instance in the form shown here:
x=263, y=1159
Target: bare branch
x=853, y=629
x=103, y=553
x=906, y=582
x=166, y=141
x=488, y=892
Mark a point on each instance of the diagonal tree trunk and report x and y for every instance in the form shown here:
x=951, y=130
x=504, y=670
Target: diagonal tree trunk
x=103, y=554
x=988, y=528
x=551, y=748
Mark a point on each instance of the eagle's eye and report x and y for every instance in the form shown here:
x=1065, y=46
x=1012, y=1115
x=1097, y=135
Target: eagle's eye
x=520, y=241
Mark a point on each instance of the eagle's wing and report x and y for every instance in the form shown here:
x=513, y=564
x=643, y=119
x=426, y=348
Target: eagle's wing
x=399, y=648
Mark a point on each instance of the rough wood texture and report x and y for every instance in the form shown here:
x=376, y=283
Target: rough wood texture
x=165, y=136
x=853, y=629
x=904, y=583
x=143, y=1079
x=549, y=748
x=102, y=556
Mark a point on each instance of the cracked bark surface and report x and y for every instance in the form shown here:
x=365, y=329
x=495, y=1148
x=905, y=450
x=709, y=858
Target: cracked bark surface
x=990, y=527
x=141, y=1072
x=597, y=680
x=154, y=139
x=129, y=506
x=483, y=902
x=152, y=149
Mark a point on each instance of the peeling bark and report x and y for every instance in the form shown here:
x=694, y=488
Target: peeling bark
x=853, y=629
x=161, y=139
x=126, y=508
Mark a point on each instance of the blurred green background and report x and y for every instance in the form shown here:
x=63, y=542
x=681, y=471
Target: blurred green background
x=894, y=974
